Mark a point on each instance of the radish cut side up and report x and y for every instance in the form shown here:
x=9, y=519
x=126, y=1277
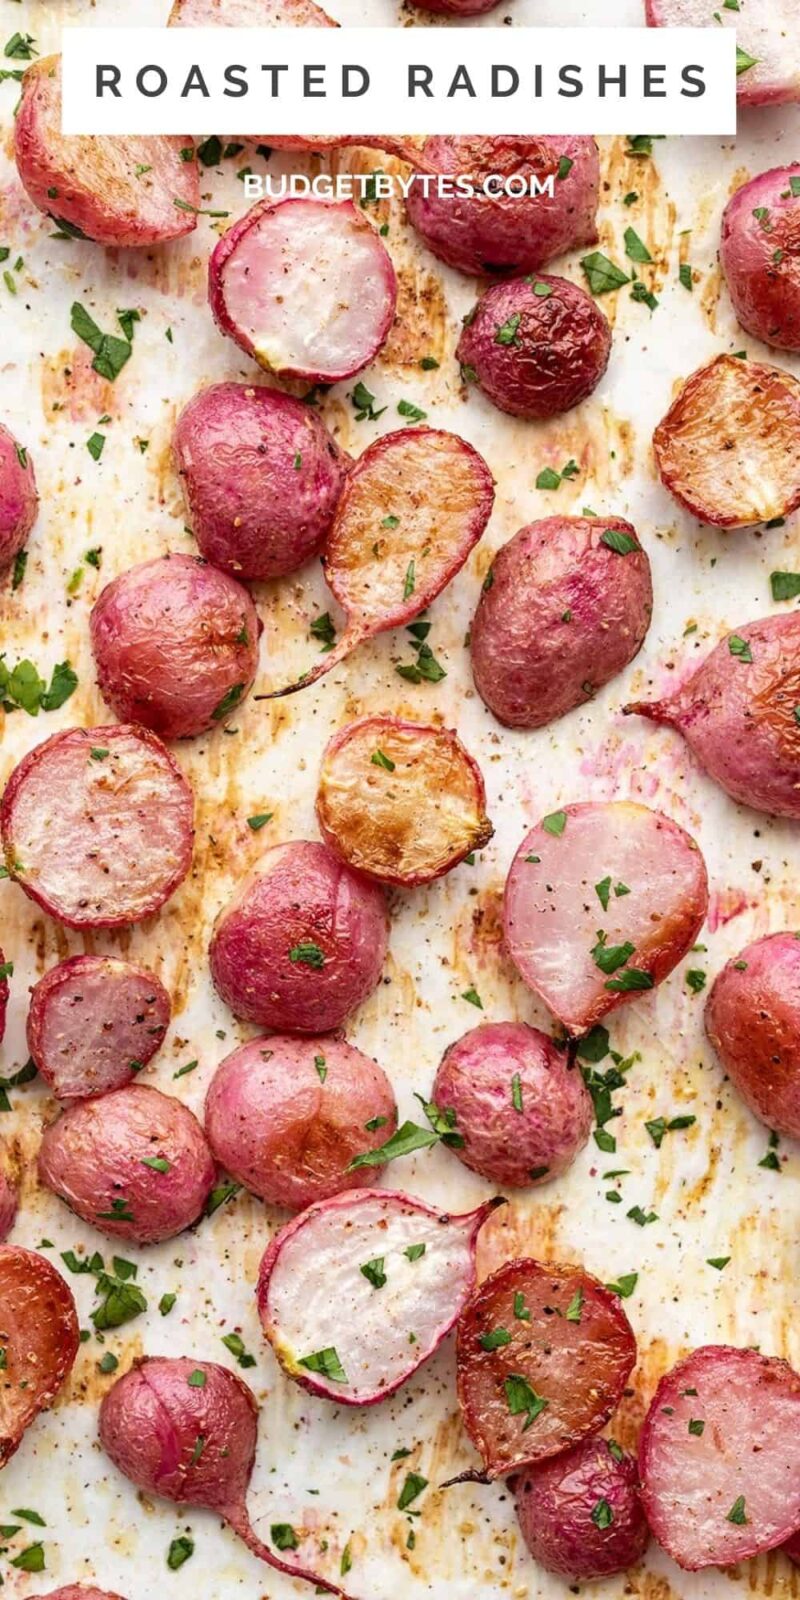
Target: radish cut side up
x=306, y=287
x=720, y=1457
x=398, y=1267
x=414, y=506
x=38, y=1340
x=766, y=33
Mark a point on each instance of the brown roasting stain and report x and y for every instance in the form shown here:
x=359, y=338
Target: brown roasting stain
x=421, y=325
x=650, y=1586
x=87, y=1384
x=69, y=384
x=513, y=1232
x=710, y=298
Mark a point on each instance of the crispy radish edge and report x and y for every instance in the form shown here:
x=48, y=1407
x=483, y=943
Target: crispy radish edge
x=470, y=1222
x=42, y=1327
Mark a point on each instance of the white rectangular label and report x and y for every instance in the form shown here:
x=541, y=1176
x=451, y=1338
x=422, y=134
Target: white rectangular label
x=399, y=80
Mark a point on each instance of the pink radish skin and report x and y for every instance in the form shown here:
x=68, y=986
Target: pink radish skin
x=365, y=1325
x=3, y=996
x=746, y=1459
x=8, y=1205
x=19, y=501
x=557, y=1506
x=486, y=234
x=760, y=256
x=98, y=841
x=79, y=1591
x=150, y=1421
x=95, y=1158
x=261, y=475
x=39, y=1336
x=286, y=1116
x=553, y=912
x=134, y=191
x=560, y=615
x=413, y=507
x=753, y=1023
x=457, y=8
x=305, y=287
x=792, y=1549
x=521, y=1106
x=766, y=31
x=93, y=1023
x=737, y=716
x=302, y=943
x=536, y=349
x=175, y=646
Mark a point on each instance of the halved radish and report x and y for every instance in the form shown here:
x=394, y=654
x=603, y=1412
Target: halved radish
x=728, y=449
x=38, y=1340
x=720, y=1457
x=358, y=1291
x=136, y=190
x=768, y=64
x=94, y=1022
x=738, y=712
x=401, y=801
x=410, y=512
x=97, y=825
x=306, y=287
x=544, y=1353
x=601, y=902
x=248, y=14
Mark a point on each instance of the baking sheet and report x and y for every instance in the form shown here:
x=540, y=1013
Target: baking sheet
x=322, y=1469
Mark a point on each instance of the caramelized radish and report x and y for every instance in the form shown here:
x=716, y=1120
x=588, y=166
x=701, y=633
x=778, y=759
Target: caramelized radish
x=38, y=1340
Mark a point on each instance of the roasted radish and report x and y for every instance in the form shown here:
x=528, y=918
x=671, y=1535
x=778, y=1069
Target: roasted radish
x=150, y=1424
x=536, y=346
x=93, y=1023
x=97, y=826
x=489, y=232
x=564, y=609
x=261, y=475
x=80, y=1591
x=403, y=1275
x=760, y=256
x=287, y=1116
x=136, y=190
x=402, y=802
x=738, y=713
x=306, y=287
x=580, y=1512
x=302, y=943
x=768, y=58
x=248, y=14
x=410, y=512
x=544, y=1353
x=753, y=1022
x=601, y=902
x=38, y=1340
x=719, y=1457
x=134, y=1163
x=520, y=1105
x=175, y=646
x=728, y=449
x=19, y=501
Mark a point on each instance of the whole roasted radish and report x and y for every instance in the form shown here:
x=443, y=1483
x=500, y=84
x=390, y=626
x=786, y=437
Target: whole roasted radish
x=564, y=609
x=286, y=1116
x=93, y=1023
x=601, y=902
x=261, y=475
x=38, y=1338
x=719, y=1457
x=401, y=801
x=580, y=1512
x=403, y=1274
x=760, y=256
x=738, y=713
x=412, y=508
x=544, y=1353
x=520, y=1104
x=19, y=501
x=302, y=943
x=728, y=449
x=97, y=826
x=306, y=287
x=536, y=346
x=132, y=190
x=490, y=232
x=753, y=1022
x=135, y=1163
x=150, y=1423
x=768, y=63
x=175, y=645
